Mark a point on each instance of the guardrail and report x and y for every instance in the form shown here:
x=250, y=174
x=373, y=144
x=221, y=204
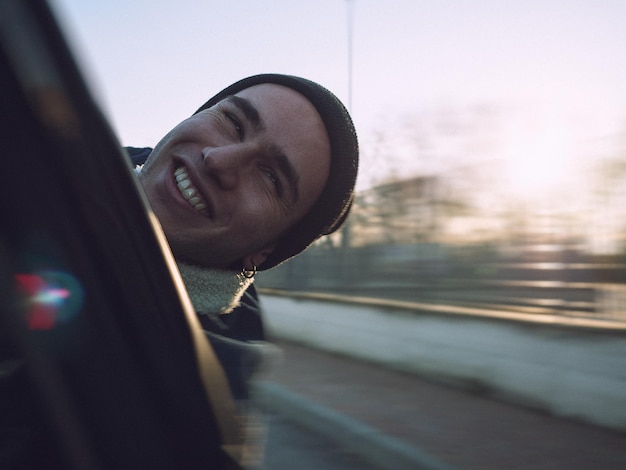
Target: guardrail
x=615, y=323
x=555, y=282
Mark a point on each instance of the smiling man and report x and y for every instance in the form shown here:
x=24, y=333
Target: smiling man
x=259, y=172
x=263, y=169
x=230, y=180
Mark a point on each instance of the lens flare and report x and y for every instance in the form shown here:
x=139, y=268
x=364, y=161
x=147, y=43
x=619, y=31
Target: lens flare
x=48, y=298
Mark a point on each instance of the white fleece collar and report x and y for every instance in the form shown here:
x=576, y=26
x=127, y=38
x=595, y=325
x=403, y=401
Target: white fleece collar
x=213, y=290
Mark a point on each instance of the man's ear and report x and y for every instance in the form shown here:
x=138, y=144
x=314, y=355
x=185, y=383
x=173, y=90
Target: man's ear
x=258, y=258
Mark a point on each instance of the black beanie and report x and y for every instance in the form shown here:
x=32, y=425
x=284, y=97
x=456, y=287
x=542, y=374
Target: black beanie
x=332, y=207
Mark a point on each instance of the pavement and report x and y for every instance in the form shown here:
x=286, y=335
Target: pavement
x=395, y=420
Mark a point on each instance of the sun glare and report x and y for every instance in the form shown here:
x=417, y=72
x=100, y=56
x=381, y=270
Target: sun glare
x=539, y=159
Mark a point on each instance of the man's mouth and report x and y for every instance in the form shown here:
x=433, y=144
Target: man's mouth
x=189, y=191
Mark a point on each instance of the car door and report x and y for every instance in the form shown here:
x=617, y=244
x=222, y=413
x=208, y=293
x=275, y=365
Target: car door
x=102, y=361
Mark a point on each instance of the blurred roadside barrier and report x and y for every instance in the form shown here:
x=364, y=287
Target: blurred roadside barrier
x=567, y=366
x=544, y=279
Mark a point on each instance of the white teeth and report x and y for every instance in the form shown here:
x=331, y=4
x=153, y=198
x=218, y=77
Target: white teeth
x=184, y=184
x=188, y=191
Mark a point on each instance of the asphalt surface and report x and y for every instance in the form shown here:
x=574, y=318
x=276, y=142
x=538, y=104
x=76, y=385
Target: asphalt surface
x=395, y=420
x=292, y=446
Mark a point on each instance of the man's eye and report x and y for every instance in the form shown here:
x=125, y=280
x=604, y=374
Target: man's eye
x=275, y=180
x=237, y=125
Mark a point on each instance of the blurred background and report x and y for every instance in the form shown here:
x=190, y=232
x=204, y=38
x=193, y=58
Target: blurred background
x=493, y=134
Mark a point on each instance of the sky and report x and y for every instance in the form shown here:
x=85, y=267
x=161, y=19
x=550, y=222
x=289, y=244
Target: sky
x=151, y=64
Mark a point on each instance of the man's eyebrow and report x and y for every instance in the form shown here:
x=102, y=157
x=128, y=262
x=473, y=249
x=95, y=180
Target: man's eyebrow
x=287, y=169
x=248, y=109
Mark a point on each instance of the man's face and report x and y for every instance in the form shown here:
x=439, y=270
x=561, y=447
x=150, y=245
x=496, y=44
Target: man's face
x=229, y=181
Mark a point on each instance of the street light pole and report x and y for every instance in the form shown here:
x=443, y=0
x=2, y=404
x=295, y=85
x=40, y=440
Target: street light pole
x=350, y=16
x=344, y=278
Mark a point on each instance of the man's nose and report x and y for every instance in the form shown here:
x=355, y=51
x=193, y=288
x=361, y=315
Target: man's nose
x=226, y=165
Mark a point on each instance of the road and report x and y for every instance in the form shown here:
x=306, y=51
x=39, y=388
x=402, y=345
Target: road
x=463, y=430
x=290, y=446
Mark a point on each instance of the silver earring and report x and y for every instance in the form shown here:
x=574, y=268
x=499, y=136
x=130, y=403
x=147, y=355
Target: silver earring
x=249, y=273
